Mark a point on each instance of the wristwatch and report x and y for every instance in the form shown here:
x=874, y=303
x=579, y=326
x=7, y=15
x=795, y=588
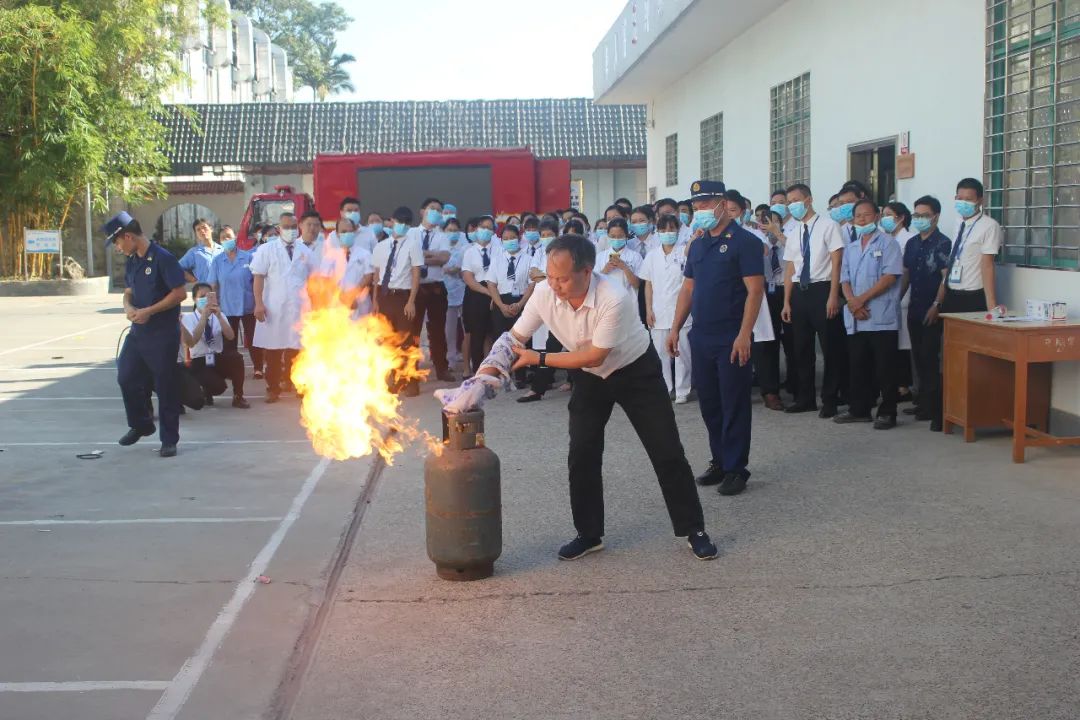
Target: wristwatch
x=543, y=359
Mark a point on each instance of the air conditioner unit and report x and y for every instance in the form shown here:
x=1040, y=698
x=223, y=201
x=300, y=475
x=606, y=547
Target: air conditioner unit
x=244, y=45
x=281, y=75
x=264, y=69
x=222, y=37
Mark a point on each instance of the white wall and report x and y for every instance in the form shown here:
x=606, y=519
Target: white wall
x=602, y=186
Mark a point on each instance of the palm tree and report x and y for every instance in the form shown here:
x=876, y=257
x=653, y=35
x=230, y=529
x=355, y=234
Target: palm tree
x=326, y=73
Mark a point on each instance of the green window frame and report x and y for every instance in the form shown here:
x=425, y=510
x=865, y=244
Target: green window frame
x=789, y=151
x=712, y=147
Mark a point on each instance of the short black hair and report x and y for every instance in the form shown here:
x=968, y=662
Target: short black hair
x=511, y=228
x=667, y=220
x=348, y=201
x=646, y=210
x=733, y=195
x=286, y=214
x=222, y=229
x=311, y=214
x=617, y=208
x=666, y=201
x=403, y=214
x=778, y=191
x=860, y=190
x=573, y=226
x=472, y=223
x=834, y=196
x=582, y=252
x=201, y=221
x=581, y=216
x=196, y=286
x=970, y=184
x=428, y=201
x=619, y=223
x=453, y=221
x=551, y=225
x=762, y=208
x=531, y=223
x=901, y=211
x=799, y=187
x=623, y=201
x=929, y=201
x=864, y=201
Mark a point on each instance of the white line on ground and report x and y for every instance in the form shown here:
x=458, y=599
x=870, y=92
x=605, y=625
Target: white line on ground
x=178, y=691
x=83, y=686
x=84, y=331
x=143, y=521
x=182, y=442
x=116, y=397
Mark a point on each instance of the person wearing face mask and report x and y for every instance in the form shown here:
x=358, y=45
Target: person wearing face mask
x=397, y=264
x=895, y=221
x=724, y=287
x=509, y=287
x=618, y=262
x=530, y=233
x=542, y=378
x=926, y=261
x=196, y=261
x=376, y=228
x=350, y=265
x=969, y=284
x=476, y=306
x=814, y=253
x=449, y=212
x=872, y=267
x=669, y=206
x=365, y=236
x=642, y=240
x=662, y=273
x=850, y=193
x=598, y=235
x=233, y=284
x=766, y=353
x=455, y=290
x=431, y=302
x=206, y=360
x=280, y=270
x=154, y=289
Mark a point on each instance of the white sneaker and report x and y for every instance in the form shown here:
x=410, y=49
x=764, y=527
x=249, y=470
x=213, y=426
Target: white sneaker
x=682, y=400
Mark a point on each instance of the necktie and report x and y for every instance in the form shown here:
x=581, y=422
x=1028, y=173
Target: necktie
x=774, y=259
x=804, y=276
x=209, y=332
x=427, y=244
x=289, y=249
x=955, y=251
x=348, y=253
x=389, y=265
x=852, y=233
x=510, y=274
x=487, y=260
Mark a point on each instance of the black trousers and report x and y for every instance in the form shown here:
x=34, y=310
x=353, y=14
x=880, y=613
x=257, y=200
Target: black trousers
x=500, y=324
x=640, y=391
x=766, y=355
x=278, y=368
x=476, y=317
x=956, y=301
x=248, y=323
x=211, y=378
x=147, y=362
x=926, y=351
x=392, y=306
x=431, y=303
x=809, y=321
x=873, y=371
x=543, y=378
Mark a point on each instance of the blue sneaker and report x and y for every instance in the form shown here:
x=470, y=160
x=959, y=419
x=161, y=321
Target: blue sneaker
x=702, y=547
x=580, y=547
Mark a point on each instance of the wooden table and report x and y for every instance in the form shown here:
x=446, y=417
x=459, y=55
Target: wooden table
x=998, y=374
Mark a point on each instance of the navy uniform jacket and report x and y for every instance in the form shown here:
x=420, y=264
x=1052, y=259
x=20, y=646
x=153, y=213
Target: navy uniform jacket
x=717, y=265
x=924, y=260
x=150, y=279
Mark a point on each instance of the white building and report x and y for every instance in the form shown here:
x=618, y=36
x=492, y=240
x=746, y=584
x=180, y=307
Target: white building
x=766, y=93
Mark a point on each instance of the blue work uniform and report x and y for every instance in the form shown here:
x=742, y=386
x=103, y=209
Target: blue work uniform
x=717, y=265
x=147, y=361
x=235, y=283
x=198, y=258
x=925, y=260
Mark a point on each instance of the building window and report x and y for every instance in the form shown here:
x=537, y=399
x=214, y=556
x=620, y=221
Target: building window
x=1032, y=139
x=671, y=159
x=789, y=157
x=712, y=147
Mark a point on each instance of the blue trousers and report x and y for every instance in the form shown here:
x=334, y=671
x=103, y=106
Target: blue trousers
x=147, y=363
x=724, y=391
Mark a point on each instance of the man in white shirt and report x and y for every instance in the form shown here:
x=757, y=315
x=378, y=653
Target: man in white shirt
x=431, y=300
x=598, y=323
x=812, y=301
x=396, y=264
x=969, y=279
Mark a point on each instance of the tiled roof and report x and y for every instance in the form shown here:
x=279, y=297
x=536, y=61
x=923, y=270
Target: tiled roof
x=292, y=133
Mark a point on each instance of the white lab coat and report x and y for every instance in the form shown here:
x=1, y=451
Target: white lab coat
x=905, y=335
x=284, y=293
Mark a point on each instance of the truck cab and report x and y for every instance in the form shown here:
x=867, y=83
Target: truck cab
x=266, y=208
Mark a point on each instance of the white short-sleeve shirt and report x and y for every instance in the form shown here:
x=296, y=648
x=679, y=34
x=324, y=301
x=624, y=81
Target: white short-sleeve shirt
x=437, y=242
x=473, y=260
x=982, y=236
x=608, y=319
x=202, y=347
x=632, y=259
x=408, y=256
x=825, y=238
x=665, y=272
x=498, y=273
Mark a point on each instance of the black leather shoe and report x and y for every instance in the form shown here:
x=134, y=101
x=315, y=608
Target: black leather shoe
x=885, y=422
x=714, y=475
x=847, y=418
x=800, y=408
x=827, y=411
x=935, y=425
x=533, y=397
x=734, y=482
x=167, y=451
x=272, y=397
x=238, y=401
x=445, y=376
x=133, y=435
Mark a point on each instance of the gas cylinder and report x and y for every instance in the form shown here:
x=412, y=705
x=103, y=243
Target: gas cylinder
x=463, y=501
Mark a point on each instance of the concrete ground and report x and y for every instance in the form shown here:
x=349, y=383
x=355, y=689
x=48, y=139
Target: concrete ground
x=862, y=575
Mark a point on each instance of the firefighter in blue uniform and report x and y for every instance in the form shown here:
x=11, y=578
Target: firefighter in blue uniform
x=154, y=290
x=723, y=287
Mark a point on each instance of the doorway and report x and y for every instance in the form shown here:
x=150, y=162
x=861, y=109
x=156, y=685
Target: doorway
x=874, y=164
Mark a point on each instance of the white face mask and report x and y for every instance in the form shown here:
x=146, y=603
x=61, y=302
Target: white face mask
x=287, y=235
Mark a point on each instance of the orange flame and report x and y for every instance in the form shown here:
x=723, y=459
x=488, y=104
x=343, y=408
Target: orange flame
x=345, y=371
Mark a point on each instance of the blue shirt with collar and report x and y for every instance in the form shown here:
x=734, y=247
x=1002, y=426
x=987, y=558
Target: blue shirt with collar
x=198, y=258
x=925, y=260
x=150, y=278
x=717, y=264
x=236, y=293
x=862, y=268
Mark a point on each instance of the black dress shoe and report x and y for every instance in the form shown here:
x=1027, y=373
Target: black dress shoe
x=800, y=408
x=445, y=376
x=534, y=397
x=272, y=397
x=133, y=435
x=827, y=411
x=935, y=425
x=849, y=417
x=913, y=410
x=238, y=401
x=209, y=400
x=734, y=482
x=714, y=475
x=167, y=451
x=885, y=422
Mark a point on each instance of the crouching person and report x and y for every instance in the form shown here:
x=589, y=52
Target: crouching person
x=203, y=334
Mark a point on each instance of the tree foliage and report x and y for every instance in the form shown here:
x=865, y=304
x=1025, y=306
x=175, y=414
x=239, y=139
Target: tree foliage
x=80, y=87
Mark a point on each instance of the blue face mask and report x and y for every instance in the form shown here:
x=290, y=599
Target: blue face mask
x=921, y=224
x=546, y=240
x=433, y=216
x=618, y=244
x=668, y=238
x=400, y=229
x=228, y=245
x=836, y=215
x=511, y=246
x=641, y=229
x=483, y=235
x=863, y=230
x=747, y=216
x=966, y=208
x=888, y=223
x=533, y=236
x=378, y=229
x=354, y=217
x=447, y=217
x=847, y=212
x=454, y=236
x=797, y=209
x=347, y=239
x=202, y=302
x=780, y=209
x=705, y=220
x=684, y=218
x=600, y=234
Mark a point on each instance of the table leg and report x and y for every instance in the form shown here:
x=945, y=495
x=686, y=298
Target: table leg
x=1020, y=402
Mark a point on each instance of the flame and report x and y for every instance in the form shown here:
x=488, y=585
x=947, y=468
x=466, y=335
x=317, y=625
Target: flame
x=345, y=370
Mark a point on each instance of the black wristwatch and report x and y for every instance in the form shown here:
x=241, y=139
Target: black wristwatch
x=543, y=359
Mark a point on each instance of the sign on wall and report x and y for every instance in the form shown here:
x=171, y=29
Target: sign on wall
x=577, y=189
x=41, y=241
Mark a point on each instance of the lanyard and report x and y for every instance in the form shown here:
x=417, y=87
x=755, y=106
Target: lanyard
x=963, y=238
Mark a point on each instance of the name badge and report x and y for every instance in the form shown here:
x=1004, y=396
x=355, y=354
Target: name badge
x=877, y=253
x=772, y=287
x=148, y=271
x=956, y=273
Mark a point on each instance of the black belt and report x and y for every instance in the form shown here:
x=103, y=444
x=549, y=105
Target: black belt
x=948, y=289
x=393, y=291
